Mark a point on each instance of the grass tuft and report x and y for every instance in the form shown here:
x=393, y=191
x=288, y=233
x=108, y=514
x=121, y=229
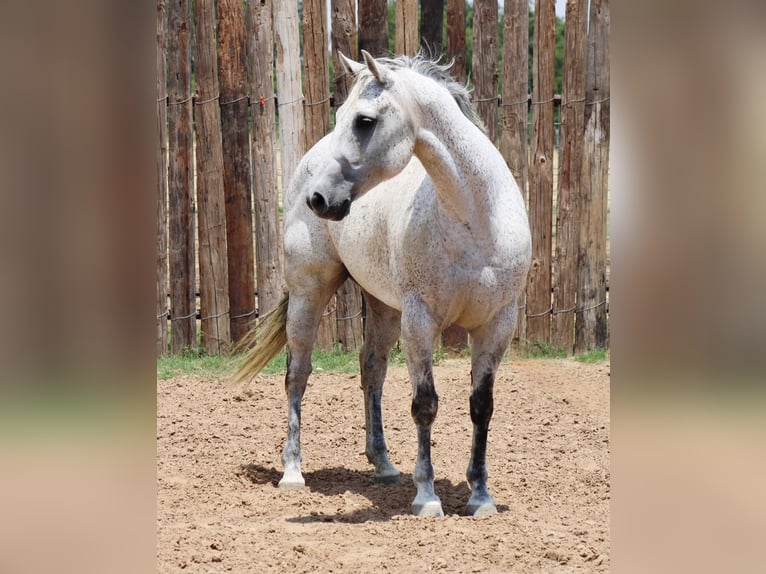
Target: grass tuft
x=595, y=356
x=194, y=363
x=540, y=350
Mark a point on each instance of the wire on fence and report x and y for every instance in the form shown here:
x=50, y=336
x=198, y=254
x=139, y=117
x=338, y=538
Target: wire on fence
x=598, y=101
x=189, y=316
x=327, y=99
x=280, y=104
x=200, y=102
x=253, y=312
x=214, y=316
x=553, y=311
x=179, y=102
x=246, y=97
x=509, y=104
x=354, y=316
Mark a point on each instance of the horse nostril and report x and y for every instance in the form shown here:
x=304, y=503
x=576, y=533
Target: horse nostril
x=318, y=203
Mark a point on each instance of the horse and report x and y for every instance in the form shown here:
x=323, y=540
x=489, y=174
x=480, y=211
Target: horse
x=407, y=196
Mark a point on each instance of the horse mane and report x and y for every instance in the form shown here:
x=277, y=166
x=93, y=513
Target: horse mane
x=430, y=68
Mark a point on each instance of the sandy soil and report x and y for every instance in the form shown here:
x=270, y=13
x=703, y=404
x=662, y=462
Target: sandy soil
x=219, y=447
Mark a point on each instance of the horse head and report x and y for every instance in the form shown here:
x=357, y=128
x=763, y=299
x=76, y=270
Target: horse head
x=373, y=139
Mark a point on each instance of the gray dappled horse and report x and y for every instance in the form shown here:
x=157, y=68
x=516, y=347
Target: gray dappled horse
x=409, y=197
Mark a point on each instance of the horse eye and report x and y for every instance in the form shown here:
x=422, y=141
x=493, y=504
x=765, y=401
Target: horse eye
x=364, y=123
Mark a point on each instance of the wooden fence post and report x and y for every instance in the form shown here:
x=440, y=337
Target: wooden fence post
x=260, y=80
x=570, y=166
x=162, y=180
x=315, y=78
x=180, y=180
x=515, y=107
x=591, y=328
x=456, y=47
x=541, y=174
x=406, y=41
x=290, y=95
x=344, y=38
x=431, y=21
x=236, y=166
x=213, y=271
x=485, y=63
x=341, y=322
x=373, y=27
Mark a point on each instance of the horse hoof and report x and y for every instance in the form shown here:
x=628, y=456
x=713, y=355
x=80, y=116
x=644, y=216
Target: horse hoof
x=486, y=508
x=426, y=509
x=292, y=482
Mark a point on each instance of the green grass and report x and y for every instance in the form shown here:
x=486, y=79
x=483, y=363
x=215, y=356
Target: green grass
x=324, y=361
x=540, y=350
x=339, y=361
x=194, y=363
x=594, y=356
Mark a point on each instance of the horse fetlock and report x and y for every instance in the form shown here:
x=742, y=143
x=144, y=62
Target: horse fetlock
x=476, y=475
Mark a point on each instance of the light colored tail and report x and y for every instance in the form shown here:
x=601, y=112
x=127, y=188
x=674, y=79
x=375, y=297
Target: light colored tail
x=263, y=342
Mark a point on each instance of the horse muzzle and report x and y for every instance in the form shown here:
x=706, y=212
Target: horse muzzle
x=334, y=211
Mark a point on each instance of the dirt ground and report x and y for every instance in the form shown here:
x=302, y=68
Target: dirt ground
x=219, y=447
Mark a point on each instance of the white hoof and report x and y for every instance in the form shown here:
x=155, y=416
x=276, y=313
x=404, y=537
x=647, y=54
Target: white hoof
x=292, y=481
x=430, y=508
x=484, y=506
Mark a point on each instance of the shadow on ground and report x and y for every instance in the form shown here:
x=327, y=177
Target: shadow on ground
x=387, y=500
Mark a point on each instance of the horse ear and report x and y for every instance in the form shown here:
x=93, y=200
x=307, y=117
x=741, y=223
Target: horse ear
x=380, y=73
x=349, y=65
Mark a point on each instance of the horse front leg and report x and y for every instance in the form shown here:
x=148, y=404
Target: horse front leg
x=381, y=331
x=419, y=331
x=489, y=345
x=303, y=315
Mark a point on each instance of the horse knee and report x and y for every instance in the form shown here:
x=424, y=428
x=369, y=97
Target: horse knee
x=425, y=404
x=482, y=403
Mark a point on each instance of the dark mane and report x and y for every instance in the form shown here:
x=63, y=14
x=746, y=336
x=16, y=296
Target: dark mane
x=440, y=73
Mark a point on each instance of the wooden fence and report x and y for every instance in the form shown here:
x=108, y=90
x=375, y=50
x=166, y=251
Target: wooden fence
x=221, y=163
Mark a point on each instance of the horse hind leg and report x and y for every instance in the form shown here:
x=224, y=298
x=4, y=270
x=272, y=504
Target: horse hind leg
x=303, y=315
x=489, y=344
x=380, y=333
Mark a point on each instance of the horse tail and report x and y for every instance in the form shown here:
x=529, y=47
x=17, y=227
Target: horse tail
x=263, y=342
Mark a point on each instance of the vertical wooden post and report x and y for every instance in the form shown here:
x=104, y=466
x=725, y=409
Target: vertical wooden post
x=213, y=271
x=341, y=322
x=373, y=27
x=485, y=63
x=344, y=39
x=456, y=47
x=162, y=180
x=515, y=106
x=541, y=174
x=591, y=329
x=568, y=203
x=406, y=41
x=289, y=92
x=348, y=312
x=260, y=80
x=315, y=78
x=180, y=180
x=236, y=166
x=431, y=21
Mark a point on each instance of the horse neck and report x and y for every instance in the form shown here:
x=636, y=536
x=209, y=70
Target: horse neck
x=466, y=169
